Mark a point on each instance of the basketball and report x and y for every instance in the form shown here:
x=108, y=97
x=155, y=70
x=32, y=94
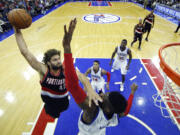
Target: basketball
x=19, y=18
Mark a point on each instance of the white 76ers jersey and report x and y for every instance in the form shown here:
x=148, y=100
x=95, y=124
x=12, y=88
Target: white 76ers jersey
x=97, y=77
x=98, y=126
x=122, y=55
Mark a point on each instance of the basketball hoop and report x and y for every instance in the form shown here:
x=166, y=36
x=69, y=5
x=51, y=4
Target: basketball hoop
x=168, y=99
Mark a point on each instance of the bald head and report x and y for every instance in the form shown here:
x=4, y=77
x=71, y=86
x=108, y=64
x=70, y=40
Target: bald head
x=140, y=21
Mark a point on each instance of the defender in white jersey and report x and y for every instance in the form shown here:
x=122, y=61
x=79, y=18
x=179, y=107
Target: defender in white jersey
x=120, y=61
x=97, y=80
x=94, y=119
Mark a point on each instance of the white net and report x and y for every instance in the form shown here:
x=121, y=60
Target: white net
x=168, y=99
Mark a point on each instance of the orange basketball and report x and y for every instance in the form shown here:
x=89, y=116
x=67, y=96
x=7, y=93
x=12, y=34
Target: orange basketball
x=19, y=18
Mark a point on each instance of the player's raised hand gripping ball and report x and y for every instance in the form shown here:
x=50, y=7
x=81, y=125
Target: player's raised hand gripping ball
x=19, y=18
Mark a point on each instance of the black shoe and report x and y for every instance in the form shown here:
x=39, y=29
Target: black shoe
x=146, y=39
x=139, y=48
x=175, y=32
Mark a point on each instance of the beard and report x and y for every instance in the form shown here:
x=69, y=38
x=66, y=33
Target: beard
x=55, y=67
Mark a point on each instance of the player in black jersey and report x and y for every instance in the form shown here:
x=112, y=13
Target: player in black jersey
x=148, y=23
x=138, y=32
x=54, y=93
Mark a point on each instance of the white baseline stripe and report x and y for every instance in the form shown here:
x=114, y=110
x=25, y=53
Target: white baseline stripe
x=50, y=128
x=144, y=83
x=30, y=123
x=26, y=133
x=117, y=82
x=140, y=70
x=142, y=123
x=133, y=78
x=37, y=118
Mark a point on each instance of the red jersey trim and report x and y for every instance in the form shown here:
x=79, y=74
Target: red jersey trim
x=53, y=92
x=55, y=74
x=44, y=76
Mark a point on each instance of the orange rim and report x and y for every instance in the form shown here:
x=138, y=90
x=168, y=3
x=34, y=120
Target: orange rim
x=175, y=77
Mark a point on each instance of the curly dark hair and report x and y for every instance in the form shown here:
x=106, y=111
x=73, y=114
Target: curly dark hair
x=48, y=54
x=117, y=101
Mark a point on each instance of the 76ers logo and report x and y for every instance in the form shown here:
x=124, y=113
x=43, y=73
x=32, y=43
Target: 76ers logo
x=101, y=18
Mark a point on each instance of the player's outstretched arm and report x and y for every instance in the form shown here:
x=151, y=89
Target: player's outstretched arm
x=153, y=22
x=130, y=58
x=88, y=72
x=31, y=59
x=130, y=100
x=113, y=54
x=72, y=83
x=104, y=72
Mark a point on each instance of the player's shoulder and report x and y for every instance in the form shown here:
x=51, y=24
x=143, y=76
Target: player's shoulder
x=44, y=73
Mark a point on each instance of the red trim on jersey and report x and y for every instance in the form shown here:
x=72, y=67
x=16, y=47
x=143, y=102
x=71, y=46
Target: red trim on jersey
x=137, y=31
x=108, y=76
x=72, y=83
x=130, y=99
x=44, y=76
x=53, y=92
x=148, y=21
x=57, y=74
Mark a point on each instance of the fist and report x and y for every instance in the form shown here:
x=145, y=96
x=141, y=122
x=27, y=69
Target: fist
x=134, y=87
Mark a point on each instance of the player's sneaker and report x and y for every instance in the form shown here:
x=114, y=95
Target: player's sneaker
x=122, y=87
x=112, y=70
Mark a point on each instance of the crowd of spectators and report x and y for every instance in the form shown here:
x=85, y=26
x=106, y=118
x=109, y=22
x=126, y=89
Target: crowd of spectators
x=168, y=2
x=33, y=7
x=171, y=3
x=36, y=7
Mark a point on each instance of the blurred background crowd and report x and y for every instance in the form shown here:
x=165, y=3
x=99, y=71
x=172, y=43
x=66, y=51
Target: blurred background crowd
x=36, y=7
x=33, y=7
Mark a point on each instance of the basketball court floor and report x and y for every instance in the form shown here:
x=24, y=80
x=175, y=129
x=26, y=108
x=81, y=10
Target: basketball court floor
x=100, y=28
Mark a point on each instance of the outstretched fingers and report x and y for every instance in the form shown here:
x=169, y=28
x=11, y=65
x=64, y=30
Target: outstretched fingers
x=65, y=29
x=94, y=97
x=72, y=26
